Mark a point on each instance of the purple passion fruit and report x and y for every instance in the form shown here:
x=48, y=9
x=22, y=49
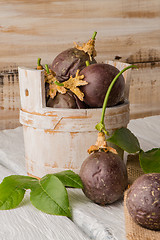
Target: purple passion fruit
x=104, y=177
x=68, y=62
x=67, y=100
x=99, y=76
x=143, y=201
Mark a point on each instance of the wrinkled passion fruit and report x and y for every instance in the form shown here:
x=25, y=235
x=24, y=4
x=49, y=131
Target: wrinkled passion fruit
x=62, y=101
x=68, y=62
x=104, y=177
x=99, y=76
x=67, y=100
x=143, y=201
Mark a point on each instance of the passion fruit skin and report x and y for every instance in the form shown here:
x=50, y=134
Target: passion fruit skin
x=99, y=76
x=67, y=100
x=68, y=62
x=104, y=177
x=143, y=201
x=46, y=91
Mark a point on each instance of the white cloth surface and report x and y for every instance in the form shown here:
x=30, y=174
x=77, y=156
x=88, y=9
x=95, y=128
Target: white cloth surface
x=12, y=150
x=90, y=221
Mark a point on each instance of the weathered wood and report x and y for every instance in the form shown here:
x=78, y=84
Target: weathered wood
x=45, y=29
x=144, y=90
x=9, y=98
x=59, y=141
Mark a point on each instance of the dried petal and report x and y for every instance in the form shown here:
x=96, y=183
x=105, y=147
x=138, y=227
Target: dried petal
x=73, y=83
x=53, y=87
x=88, y=47
x=93, y=148
x=61, y=89
x=113, y=150
x=101, y=145
x=49, y=78
x=52, y=90
x=39, y=67
x=101, y=140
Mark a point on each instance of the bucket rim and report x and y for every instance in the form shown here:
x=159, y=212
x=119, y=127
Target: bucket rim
x=81, y=110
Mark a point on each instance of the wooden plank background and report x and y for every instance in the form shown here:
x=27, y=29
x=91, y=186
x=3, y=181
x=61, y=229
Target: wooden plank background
x=128, y=31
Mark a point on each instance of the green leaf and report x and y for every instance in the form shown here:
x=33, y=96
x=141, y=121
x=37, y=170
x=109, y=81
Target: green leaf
x=50, y=196
x=12, y=190
x=69, y=179
x=150, y=160
x=25, y=182
x=126, y=140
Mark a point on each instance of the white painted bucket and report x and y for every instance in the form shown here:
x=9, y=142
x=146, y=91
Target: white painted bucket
x=57, y=139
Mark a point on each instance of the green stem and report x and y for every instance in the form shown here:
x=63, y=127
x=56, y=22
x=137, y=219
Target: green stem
x=48, y=72
x=87, y=63
x=100, y=126
x=94, y=35
x=39, y=62
x=47, y=69
x=58, y=83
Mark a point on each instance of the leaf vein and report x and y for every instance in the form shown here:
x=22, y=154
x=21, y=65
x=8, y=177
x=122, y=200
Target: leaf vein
x=51, y=198
x=10, y=196
x=73, y=180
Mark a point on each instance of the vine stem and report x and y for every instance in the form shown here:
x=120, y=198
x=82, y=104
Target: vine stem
x=101, y=126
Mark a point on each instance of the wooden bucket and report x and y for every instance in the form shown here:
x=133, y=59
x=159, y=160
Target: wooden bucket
x=57, y=139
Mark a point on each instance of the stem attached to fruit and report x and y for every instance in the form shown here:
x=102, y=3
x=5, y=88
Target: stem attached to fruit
x=39, y=66
x=47, y=69
x=87, y=63
x=48, y=72
x=58, y=83
x=101, y=126
x=94, y=35
x=39, y=62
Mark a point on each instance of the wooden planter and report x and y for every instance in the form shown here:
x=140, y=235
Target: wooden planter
x=58, y=139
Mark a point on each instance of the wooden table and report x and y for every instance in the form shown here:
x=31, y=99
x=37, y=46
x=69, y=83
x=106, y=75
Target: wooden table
x=127, y=31
x=90, y=221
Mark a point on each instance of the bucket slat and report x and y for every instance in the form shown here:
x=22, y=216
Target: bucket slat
x=31, y=83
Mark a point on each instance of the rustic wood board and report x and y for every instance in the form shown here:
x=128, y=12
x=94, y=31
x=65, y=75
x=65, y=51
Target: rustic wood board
x=144, y=90
x=127, y=32
x=9, y=98
x=31, y=29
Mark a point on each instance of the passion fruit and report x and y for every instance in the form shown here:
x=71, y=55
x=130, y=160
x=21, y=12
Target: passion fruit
x=99, y=77
x=104, y=177
x=143, y=201
x=68, y=62
x=67, y=100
